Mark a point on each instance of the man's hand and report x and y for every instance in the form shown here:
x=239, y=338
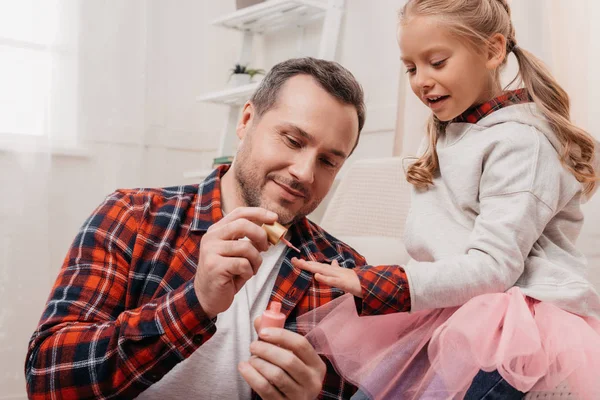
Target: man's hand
x=225, y=262
x=283, y=366
x=332, y=275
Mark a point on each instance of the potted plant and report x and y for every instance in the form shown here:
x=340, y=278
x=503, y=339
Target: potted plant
x=242, y=75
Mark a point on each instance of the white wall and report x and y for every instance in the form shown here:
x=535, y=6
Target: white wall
x=142, y=64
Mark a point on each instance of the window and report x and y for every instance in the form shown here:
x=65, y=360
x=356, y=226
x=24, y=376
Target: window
x=36, y=51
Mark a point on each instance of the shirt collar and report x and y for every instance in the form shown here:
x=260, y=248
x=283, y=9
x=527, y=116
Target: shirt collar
x=208, y=204
x=510, y=98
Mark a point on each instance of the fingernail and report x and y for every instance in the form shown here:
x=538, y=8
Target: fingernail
x=271, y=214
x=266, y=332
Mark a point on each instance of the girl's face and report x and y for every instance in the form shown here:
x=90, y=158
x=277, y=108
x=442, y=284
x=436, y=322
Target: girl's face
x=444, y=72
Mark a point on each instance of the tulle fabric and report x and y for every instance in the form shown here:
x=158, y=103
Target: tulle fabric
x=435, y=354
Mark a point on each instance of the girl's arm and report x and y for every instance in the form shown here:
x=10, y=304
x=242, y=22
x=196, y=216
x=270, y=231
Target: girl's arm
x=383, y=289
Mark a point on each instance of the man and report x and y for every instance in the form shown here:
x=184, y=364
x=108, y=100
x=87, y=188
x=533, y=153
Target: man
x=159, y=291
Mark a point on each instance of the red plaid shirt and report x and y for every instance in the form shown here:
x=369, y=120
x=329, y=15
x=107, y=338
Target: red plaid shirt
x=510, y=98
x=123, y=311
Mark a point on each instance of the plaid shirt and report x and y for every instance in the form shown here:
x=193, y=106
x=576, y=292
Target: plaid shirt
x=512, y=97
x=123, y=311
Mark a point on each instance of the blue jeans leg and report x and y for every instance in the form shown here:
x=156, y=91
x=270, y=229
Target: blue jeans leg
x=360, y=395
x=491, y=386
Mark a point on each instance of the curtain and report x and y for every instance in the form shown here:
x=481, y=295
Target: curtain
x=38, y=118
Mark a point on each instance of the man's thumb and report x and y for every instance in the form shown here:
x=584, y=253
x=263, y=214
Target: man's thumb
x=257, y=323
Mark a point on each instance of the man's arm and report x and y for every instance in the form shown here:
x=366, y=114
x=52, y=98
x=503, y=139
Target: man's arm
x=88, y=344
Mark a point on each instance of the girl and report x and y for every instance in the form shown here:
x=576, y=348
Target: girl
x=495, y=287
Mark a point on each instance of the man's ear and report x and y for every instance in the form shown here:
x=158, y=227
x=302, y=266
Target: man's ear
x=496, y=51
x=246, y=119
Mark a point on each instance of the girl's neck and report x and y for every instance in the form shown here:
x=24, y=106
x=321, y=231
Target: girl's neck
x=490, y=93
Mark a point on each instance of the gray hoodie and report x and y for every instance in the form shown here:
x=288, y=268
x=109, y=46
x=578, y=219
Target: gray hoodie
x=503, y=212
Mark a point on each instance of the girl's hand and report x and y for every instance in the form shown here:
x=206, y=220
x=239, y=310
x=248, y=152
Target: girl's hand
x=332, y=275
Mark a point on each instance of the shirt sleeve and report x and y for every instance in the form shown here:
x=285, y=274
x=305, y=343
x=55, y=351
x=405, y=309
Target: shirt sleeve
x=93, y=340
x=384, y=288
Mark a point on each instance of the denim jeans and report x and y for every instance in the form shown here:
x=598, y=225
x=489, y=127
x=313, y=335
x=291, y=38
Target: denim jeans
x=485, y=386
x=491, y=386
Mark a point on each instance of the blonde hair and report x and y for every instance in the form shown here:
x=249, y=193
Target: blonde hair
x=476, y=21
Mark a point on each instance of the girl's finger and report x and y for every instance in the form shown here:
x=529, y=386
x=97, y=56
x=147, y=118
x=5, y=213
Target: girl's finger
x=328, y=280
x=309, y=266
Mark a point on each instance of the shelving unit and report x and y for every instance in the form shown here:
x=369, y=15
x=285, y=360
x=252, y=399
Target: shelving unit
x=267, y=17
x=235, y=97
x=272, y=15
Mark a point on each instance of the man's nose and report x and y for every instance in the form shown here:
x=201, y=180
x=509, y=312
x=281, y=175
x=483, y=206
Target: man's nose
x=303, y=168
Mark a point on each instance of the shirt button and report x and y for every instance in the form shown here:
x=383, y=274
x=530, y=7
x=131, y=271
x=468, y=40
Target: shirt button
x=197, y=339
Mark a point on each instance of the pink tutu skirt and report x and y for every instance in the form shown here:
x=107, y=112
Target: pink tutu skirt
x=435, y=354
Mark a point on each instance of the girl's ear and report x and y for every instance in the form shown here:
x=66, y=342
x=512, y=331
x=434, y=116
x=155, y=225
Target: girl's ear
x=496, y=51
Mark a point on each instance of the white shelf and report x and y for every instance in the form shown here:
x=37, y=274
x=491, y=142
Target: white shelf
x=273, y=15
x=236, y=96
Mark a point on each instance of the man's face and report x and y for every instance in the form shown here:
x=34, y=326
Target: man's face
x=289, y=157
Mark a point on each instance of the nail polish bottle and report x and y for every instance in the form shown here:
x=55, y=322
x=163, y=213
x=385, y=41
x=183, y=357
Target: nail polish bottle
x=275, y=233
x=272, y=317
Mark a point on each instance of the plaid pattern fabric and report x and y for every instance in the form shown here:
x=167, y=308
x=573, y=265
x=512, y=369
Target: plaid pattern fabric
x=474, y=114
x=123, y=311
x=384, y=288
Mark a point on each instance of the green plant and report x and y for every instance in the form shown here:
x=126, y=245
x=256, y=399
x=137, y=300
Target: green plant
x=243, y=69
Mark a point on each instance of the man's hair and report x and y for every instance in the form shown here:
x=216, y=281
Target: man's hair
x=330, y=75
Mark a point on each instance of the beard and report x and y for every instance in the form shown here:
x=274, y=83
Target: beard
x=251, y=183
